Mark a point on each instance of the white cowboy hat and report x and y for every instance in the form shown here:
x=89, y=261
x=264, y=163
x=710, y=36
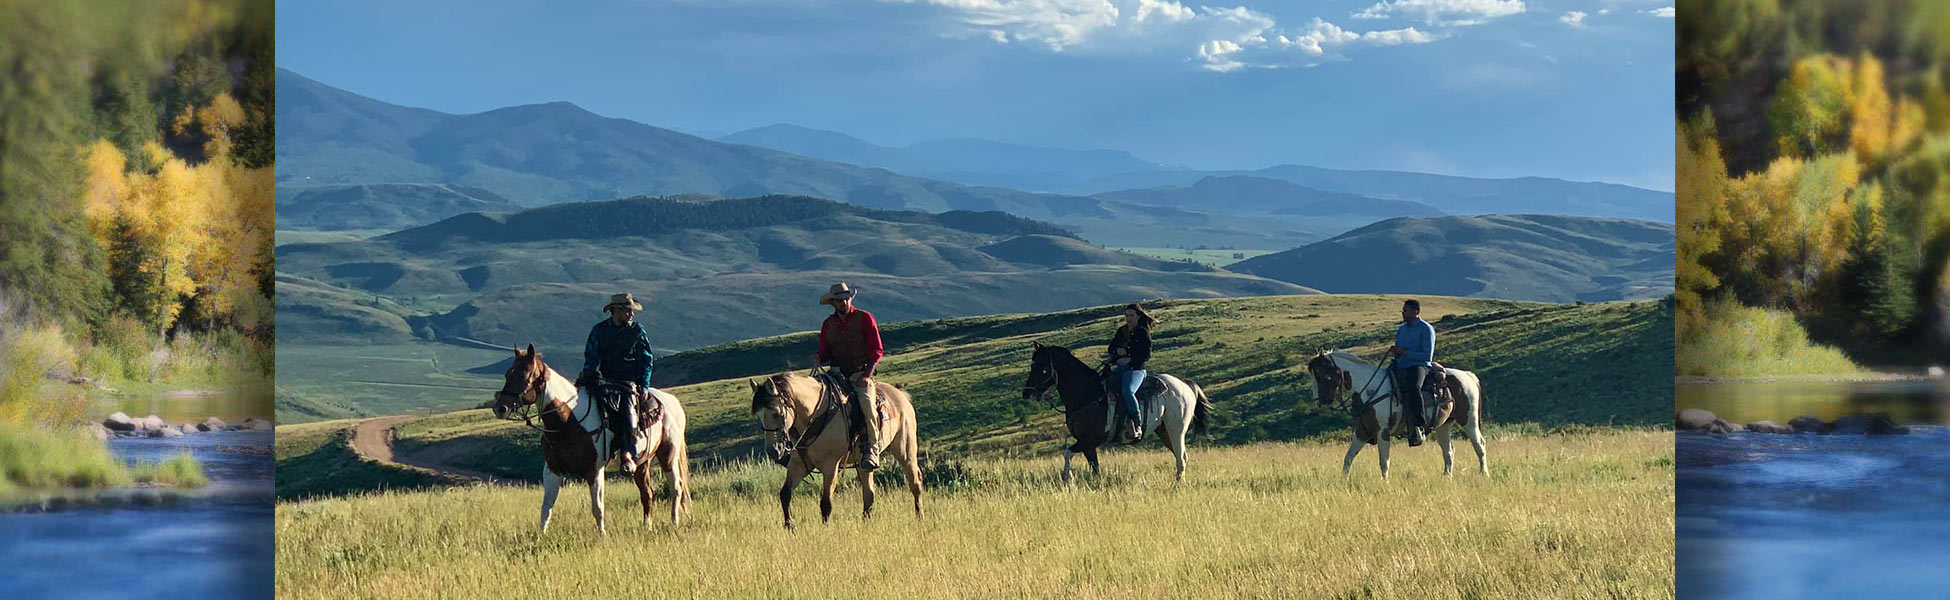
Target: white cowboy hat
x=624, y=300
x=839, y=291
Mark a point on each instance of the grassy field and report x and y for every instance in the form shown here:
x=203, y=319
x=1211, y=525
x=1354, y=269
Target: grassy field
x=1581, y=515
x=301, y=236
x=1543, y=367
x=1216, y=258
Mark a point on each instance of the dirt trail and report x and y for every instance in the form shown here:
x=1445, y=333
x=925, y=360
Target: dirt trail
x=373, y=439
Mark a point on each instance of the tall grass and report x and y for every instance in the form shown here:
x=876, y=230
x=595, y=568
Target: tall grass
x=1744, y=341
x=33, y=457
x=181, y=470
x=1582, y=516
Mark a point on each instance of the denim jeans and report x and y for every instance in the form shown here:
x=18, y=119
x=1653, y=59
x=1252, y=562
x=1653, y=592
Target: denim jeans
x=1129, y=380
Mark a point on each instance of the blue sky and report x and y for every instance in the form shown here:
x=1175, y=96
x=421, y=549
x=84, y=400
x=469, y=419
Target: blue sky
x=1580, y=89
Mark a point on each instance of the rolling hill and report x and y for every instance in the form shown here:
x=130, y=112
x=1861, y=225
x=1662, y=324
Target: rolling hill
x=1531, y=257
x=382, y=206
x=710, y=272
x=966, y=161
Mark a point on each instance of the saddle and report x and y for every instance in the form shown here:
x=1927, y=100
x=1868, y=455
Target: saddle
x=1147, y=391
x=845, y=391
x=612, y=398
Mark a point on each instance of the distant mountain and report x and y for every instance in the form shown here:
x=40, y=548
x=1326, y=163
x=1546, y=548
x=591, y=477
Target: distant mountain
x=1450, y=194
x=756, y=263
x=1516, y=257
x=382, y=206
x=1242, y=193
x=967, y=161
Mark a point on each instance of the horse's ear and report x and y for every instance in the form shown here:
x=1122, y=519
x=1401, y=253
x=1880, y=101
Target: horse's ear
x=531, y=349
x=754, y=383
x=1036, y=345
x=517, y=353
x=1347, y=380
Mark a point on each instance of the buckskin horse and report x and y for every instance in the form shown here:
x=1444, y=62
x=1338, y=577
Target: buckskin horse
x=1171, y=406
x=575, y=442
x=1374, y=402
x=807, y=428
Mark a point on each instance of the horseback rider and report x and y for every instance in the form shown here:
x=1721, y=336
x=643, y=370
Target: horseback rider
x=1128, y=351
x=1414, y=353
x=618, y=350
x=849, y=342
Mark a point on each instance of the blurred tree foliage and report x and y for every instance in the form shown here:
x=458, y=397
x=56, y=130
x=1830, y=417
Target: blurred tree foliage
x=1814, y=165
x=135, y=161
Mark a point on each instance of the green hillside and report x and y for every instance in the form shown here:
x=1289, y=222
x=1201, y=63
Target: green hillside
x=1549, y=258
x=1542, y=365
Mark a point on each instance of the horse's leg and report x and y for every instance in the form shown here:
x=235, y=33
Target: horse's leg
x=1381, y=446
x=829, y=480
x=794, y=472
x=642, y=477
x=1352, y=449
x=1067, y=453
x=551, y=485
x=1090, y=455
x=1476, y=441
x=909, y=455
x=675, y=484
x=596, y=501
x=866, y=492
x=1448, y=453
x=1175, y=440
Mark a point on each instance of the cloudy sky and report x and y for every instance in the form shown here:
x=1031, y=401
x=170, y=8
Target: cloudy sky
x=1577, y=89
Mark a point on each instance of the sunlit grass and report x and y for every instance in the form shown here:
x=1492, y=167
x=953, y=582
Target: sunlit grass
x=181, y=470
x=1580, y=515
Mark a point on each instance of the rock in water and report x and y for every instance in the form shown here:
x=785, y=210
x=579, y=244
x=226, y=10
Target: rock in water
x=1694, y=419
x=97, y=431
x=165, y=432
x=213, y=424
x=1768, y=427
x=153, y=422
x=1721, y=426
x=1808, y=424
x=1868, y=424
x=119, y=422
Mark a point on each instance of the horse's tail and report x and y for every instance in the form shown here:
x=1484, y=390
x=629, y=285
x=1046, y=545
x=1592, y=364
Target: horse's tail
x=1201, y=412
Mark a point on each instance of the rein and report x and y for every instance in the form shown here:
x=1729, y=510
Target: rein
x=1056, y=383
x=531, y=411
x=828, y=400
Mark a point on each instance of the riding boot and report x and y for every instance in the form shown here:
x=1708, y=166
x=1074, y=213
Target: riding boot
x=1412, y=412
x=629, y=438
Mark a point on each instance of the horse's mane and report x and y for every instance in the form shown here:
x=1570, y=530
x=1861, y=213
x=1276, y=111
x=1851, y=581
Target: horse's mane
x=1064, y=353
x=791, y=384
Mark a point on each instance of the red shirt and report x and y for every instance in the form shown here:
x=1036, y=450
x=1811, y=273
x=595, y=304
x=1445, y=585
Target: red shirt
x=851, y=342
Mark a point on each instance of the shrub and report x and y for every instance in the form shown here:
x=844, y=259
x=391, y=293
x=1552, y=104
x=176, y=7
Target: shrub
x=1740, y=340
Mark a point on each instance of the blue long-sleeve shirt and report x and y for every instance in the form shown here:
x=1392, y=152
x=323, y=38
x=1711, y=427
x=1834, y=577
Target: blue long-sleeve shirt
x=619, y=352
x=1418, y=338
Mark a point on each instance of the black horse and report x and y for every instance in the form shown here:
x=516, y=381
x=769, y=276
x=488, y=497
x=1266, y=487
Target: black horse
x=1180, y=407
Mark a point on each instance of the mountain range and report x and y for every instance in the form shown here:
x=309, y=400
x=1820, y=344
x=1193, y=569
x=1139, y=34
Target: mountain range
x=335, y=145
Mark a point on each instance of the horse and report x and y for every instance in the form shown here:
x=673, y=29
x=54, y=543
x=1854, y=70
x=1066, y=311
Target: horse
x=1178, y=406
x=805, y=431
x=576, y=446
x=1335, y=374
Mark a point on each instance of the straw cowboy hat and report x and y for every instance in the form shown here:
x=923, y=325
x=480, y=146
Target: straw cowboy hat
x=839, y=291
x=624, y=300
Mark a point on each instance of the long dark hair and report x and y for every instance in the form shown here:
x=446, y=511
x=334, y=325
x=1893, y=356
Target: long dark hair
x=1144, y=320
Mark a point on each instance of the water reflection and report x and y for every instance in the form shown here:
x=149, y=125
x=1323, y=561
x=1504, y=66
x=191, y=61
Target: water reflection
x=1911, y=401
x=1814, y=516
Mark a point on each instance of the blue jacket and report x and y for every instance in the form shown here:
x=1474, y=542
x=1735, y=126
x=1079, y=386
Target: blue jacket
x=1418, y=338
x=620, y=353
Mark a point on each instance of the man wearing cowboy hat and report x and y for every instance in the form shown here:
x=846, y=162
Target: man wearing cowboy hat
x=849, y=340
x=619, y=350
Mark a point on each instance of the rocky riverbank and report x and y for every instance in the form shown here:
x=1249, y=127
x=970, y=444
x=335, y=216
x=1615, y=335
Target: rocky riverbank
x=1694, y=419
x=121, y=425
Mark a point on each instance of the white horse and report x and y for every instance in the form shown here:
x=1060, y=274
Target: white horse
x=575, y=444
x=1371, y=396
x=1177, y=409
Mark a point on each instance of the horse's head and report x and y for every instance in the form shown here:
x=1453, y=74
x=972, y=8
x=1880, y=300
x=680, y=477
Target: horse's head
x=1042, y=370
x=522, y=385
x=774, y=417
x=1331, y=382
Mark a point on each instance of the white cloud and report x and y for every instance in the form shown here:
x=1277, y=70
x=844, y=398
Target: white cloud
x=1219, y=39
x=1443, y=13
x=1574, y=18
x=1663, y=12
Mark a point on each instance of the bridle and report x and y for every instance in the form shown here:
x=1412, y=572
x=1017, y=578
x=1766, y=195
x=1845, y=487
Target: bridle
x=796, y=443
x=527, y=406
x=1055, y=383
x=1345, y=395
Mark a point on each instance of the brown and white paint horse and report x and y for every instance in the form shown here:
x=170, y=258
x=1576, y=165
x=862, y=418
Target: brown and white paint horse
x=1370, y=396
x=788, y=406
x=575, y=444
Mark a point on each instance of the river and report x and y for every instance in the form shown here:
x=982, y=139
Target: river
x=216, y=543
x=1814, y=516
